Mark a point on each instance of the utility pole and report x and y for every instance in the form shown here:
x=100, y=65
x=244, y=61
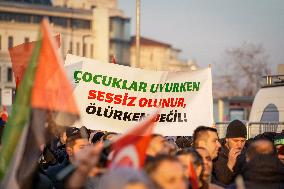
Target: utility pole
x=137, y=62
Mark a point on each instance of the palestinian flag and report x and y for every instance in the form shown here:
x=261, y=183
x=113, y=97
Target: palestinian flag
x=130, y=149
x=20, y=57
x=43, y=95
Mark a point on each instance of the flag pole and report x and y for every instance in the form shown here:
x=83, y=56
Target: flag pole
x=137, y=62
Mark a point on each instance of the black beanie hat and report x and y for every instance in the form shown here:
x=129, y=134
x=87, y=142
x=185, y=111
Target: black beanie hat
x=236, y=129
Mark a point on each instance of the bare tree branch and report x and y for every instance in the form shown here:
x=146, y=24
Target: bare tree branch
x=240, y=72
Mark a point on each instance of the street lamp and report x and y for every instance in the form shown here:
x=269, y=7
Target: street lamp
x=84, y=45
x=137, y=49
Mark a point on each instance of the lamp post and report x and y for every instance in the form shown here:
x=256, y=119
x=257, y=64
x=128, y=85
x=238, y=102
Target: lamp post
x=83, y=44
x=137, y=62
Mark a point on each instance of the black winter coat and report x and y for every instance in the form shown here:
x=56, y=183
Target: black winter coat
x=264, y=171
x=54, y=170
x=221, y=174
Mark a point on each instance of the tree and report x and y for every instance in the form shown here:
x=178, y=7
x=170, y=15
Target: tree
x=240, y=72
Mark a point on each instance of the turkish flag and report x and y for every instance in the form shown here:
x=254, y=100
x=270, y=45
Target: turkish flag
x=192, y=176
x=130, y=149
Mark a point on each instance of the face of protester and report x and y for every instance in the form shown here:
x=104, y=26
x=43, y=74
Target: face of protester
x=136, y=185
x=280, y=152
x=157, y=146
x=237, y=143
x=211, y=144
x=207, y=161
x=169, y=148
x=78, y=145
x=185, y=159
x=169, y=175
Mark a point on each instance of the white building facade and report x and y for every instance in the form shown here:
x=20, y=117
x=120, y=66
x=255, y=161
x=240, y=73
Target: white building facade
x=96, y=29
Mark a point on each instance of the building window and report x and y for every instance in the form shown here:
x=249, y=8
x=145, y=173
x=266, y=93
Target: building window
x=78, y=48
x=10, y=75
x=23, y=18
x=37, y=18
x=92, y=51
x=71, y=47
x=10, y=41
x=15, y=17
x=79, y=23
x=58, y=21
x=27, y=39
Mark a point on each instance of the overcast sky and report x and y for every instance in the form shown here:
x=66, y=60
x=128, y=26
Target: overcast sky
x=203, y=29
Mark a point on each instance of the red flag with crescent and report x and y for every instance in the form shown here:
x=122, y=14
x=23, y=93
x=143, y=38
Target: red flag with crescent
x=130, y=149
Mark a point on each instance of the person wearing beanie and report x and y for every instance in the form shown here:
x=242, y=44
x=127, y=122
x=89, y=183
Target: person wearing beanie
x=231, y=157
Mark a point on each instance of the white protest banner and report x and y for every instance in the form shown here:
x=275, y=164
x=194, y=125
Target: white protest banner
x=112, y=97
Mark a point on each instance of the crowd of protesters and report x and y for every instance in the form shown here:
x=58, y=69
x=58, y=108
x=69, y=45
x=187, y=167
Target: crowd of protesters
x=230, y=162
